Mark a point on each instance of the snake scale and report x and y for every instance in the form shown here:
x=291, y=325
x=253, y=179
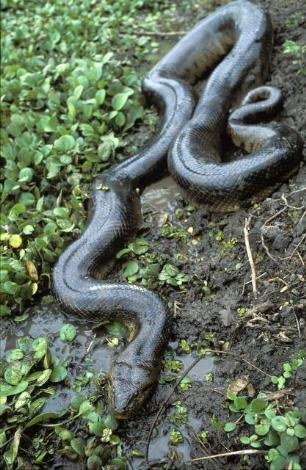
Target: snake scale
x=235, y=42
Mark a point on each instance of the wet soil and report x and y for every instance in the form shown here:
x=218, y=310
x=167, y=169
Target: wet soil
x=266, y=330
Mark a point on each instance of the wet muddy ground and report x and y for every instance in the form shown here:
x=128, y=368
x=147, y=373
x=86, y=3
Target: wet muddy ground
x=217, y=307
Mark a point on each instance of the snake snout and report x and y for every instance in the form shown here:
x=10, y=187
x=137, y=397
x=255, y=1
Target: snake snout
x=130, y=387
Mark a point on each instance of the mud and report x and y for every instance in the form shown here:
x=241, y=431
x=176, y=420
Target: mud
x=269, y=332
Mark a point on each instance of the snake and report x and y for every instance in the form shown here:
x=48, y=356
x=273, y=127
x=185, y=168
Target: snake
x=229, y=52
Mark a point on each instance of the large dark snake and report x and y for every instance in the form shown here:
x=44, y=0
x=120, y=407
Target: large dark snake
x=240, y=33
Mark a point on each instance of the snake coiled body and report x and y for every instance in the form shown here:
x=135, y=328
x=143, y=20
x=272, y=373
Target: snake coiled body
x=240, y=34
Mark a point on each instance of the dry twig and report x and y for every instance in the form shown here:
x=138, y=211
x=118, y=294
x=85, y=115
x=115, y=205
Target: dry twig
x=228, y=454
x=250, y=256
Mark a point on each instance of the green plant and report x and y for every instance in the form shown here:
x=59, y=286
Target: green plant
x=171, y=275
x=242, y=311
x=279, y=431
x=28, y=377
x=171, y=231
x=68, y=103
x=176, y=437
x=142, y=266
x=207, y=289
x=185, y=346
x=289, y=368
x=296, y=50
x=181, y=414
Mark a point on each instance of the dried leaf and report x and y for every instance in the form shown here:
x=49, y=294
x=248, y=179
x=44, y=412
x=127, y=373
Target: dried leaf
x=238, y=384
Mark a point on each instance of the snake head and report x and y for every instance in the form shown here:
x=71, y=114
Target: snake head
x=130, y=387
x=119, y=181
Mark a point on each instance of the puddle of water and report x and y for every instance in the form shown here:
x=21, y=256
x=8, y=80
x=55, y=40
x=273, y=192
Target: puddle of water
x=47, y=320
x=160, y=446
x=161, y=195
x=197, y=373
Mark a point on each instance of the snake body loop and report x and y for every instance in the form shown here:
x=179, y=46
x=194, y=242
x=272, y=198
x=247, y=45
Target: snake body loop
x=240, y=34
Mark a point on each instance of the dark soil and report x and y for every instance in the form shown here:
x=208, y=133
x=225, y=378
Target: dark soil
x=271, y=331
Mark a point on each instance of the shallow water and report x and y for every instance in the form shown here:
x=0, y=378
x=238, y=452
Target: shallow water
x=89, y=353
x=161, y=195
x=47, y=320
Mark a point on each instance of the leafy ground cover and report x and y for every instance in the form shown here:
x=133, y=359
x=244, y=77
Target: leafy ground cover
x=70, y=94
x=71, y=106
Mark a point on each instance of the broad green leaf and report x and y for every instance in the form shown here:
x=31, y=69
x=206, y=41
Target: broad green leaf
x=14, y=355
x=289, y=443
x=240, y=403
x=68, y=333
x=272, y=438
x=59, y=373
x=279, y=423
x=229, y=427
x=11, y=454
x=96, y=428
x=262, y=428
x=40, y=346
x=37, y=405
x=9, y=390
x=78, y=91
x=300, y=431
x=85, y=408
x=94, y=463
x=119, y=101
x=22, y=400
x=76, y=402
x=258, y=405
x=139, y=246
x=78, y=446
x=64, y=143
x=130, y=269
x=100, y=97
x=42, y=418
x=15, y=241
x=43, y=377
x=9, y=287
x=25, y=175
x=110, y=422
x=13, y=373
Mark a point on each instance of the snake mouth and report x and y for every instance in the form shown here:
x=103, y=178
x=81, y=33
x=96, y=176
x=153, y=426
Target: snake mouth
x=122, y=414
x=126, y=403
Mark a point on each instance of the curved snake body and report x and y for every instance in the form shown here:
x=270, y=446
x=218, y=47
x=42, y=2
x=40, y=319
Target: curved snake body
x=241, y=34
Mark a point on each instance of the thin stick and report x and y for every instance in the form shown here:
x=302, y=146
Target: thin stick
x=297, y=246
x=274, y=216
x=297, y=323
x=249, y=282
x=250, y=256
x=300, y=258
x=196, y=437
x=228, y=454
